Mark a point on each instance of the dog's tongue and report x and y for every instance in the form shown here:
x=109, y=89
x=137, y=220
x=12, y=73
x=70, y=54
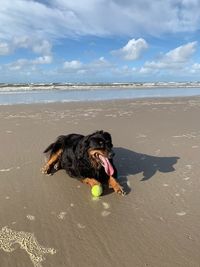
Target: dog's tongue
x=107, y=165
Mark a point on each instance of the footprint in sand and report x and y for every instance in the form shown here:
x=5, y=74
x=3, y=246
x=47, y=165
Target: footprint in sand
x=5, y=170
x=106, y=205
x=105, y=212
x=81, y=226
x=30, y=217
x=188, y=166
x=186, y=178
x=61, y=215
x=26, y=241
x=165, y=185
x=181, y=213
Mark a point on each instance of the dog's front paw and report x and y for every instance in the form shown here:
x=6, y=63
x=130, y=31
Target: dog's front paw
x=113, y=183
x=119, y=190
x=45, y=170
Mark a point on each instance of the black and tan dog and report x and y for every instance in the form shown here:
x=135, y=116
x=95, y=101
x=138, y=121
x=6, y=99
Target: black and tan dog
x=88, y=158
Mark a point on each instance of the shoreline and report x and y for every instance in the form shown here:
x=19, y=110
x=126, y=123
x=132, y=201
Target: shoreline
x=117, y=100
x=91, y=102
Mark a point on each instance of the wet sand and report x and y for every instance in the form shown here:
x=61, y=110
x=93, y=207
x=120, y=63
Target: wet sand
x=53, y=220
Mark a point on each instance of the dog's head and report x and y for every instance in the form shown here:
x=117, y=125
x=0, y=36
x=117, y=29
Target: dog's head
x=97, y=147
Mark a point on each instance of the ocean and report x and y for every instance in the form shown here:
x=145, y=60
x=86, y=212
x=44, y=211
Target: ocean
x=11, y=95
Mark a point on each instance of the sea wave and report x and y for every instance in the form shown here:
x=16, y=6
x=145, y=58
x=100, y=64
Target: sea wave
x=7, y=87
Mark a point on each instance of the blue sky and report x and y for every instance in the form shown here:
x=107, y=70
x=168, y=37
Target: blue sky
x=99, y=40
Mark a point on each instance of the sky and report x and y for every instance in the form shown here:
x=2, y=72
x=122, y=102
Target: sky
x=99, y=41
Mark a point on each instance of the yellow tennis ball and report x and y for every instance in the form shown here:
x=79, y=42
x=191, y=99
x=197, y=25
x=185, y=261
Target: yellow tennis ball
x=96, y=190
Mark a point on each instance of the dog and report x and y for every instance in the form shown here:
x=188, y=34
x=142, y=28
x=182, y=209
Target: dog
x=88, y=158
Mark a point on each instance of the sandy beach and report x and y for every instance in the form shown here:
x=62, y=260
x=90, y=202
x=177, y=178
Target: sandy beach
x=53, y=221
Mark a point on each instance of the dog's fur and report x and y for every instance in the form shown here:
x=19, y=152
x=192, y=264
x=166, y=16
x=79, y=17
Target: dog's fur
x=81, y=156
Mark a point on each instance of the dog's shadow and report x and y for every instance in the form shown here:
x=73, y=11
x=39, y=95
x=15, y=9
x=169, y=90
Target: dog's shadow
x=130, y=163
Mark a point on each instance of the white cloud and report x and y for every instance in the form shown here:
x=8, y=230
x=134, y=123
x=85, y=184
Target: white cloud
x=96, y=70
x=38, y=46
x=36, y=25
x=54, y=19
x=132, y=50
x=5, y=49
x=124, y=71
x=195, y=68
x=22, y=64
x=21, y=42
x=42, y=60
x=100, y=64
x=182, y=53
x=76, y=66
x=72, y=65
x=17, y=65
x=42, y=47
x=175, y=59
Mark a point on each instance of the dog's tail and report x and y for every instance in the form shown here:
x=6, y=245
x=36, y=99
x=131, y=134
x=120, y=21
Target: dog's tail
x=54, y=147
x=50, y=147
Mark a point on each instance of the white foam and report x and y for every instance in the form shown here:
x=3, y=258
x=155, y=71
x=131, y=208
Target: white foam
x=27, y=241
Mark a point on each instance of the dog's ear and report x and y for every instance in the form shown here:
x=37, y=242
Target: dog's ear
x=108, y=137
x=83, y=147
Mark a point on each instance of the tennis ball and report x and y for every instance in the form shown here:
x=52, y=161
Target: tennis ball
x=96, y=190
